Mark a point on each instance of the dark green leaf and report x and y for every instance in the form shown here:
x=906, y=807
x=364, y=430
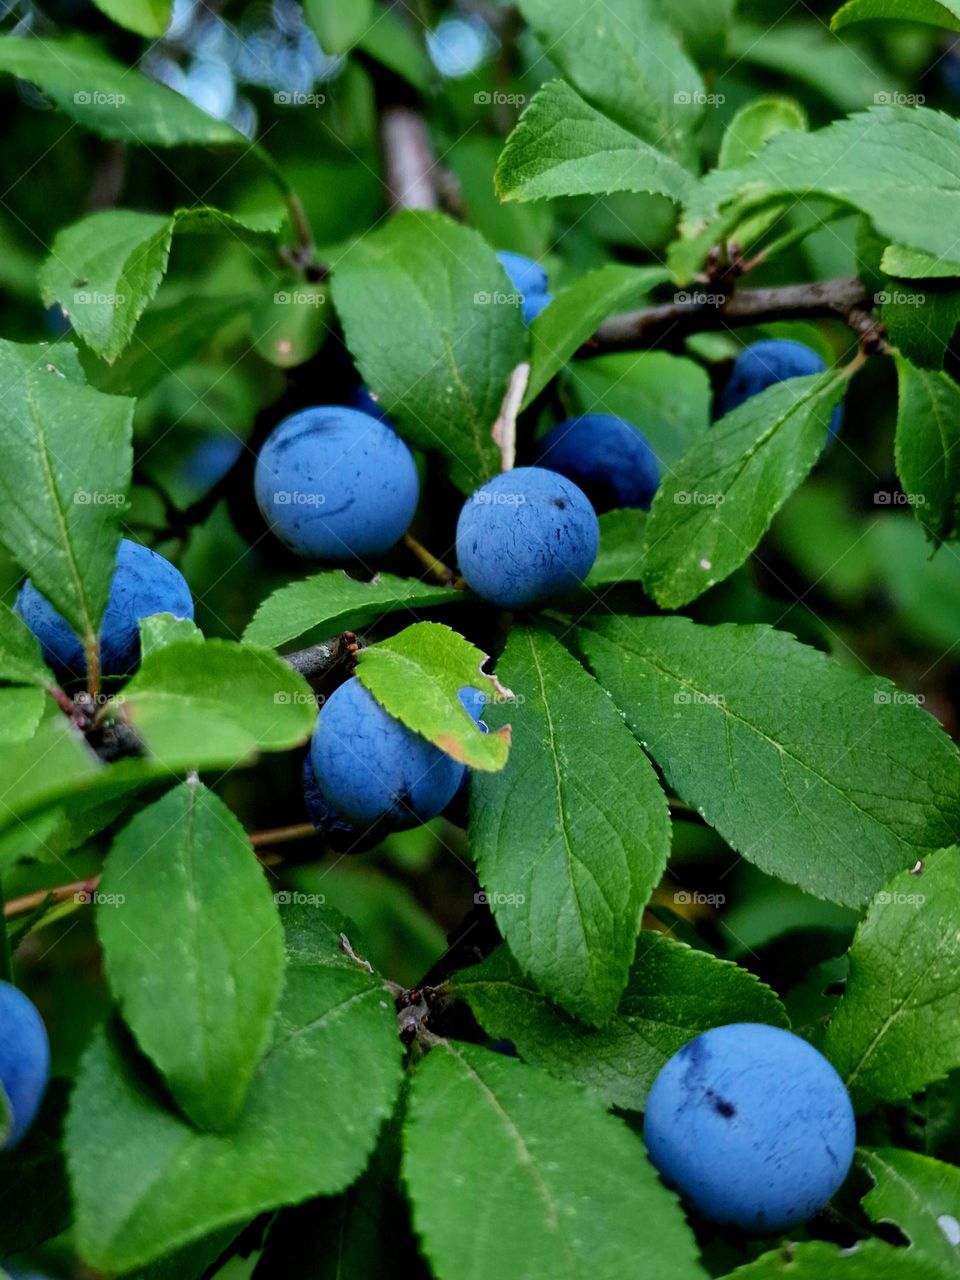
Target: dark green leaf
x=928, y=446
x=920, y=1197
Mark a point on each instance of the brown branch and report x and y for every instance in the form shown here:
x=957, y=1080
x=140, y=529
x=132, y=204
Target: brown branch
x=698, y=310
x=408, y=160
x=319, y=659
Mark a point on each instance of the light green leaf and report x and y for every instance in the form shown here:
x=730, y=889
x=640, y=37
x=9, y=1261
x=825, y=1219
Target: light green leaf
x=105, y=269
x=445, y=390
x=502, y=1162
x=399, y=45
x=818, y=1260
x=620, y=558
x=193, y=948
x=717, y=501
x=235, y=699
x=920, y=1197
x=928, y=446
x=20, y=659
x=332, y=602
x=567, y=861
x=68, y=449
x=146, y=1183
x=110, y=99
x=825, y=778
x=898, y=260
x=576, y=312
x=145, y=17
x=417, y=674
x=938, y=13
x=754, y=124
x=626, y=62
x=564, y=147
x=20, y=710
x=674, y=994
x=894, y=1032
x=339, y=24
x=886, y=162
x=161, y=629
x=668, y=397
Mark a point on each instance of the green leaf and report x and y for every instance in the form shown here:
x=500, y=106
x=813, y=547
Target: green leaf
x=193, y=948
x=20, y=659
x=332, y=602
x=567, y=859
x=398, y=45
x=822, y=777
x=928, y=446
x=564, y=147
x=105, y=269
x=702, y=25
x=417, y=674
x=502, y=1162
x=921, y=324
x=109, y=98
x=577, y=311
x=674, y=993
x=844, y=72
x=64, y=478
x=884, y=162
x=894, y=1031
x=753, y=126
x=717, y=501
x=818, y=1260
x=6, y=1117
x=668, y=397
x=627, y=63
x=166, y=338
x=339, y=24
x=236, y=700
x=620, y=558
x=161, y=629
x=20, y=710
x=920, y=1197
x=445, y=390
x=145, y=1182
x=145, y=17
x=938, y=13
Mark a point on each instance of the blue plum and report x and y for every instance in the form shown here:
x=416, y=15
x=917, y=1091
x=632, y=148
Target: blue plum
x=609, y=458
x=372, y=770
x=24, y=1061
x=525, y=536
x=210, y=458
x=752, y=1126
x=473, y=701
x=765, y=363
x=143, y=583
x=530, y=281
x=336, y=484
x=336, y=831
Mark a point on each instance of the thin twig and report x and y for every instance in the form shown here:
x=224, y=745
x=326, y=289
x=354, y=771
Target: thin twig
x=408, y=160
x=505, y=428
x=283, y=835
x=442, y=572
